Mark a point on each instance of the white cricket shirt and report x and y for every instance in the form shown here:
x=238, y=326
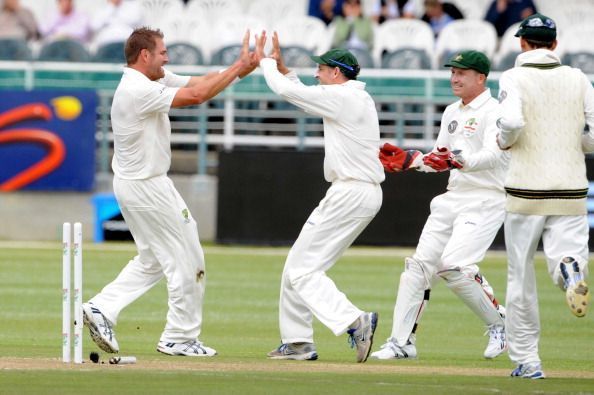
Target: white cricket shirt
x=140, y=123
x=351, y=126
x=472, y=129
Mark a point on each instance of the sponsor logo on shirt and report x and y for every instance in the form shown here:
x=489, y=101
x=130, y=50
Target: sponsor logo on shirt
x=470, y=127
x=186, y=214
x=502, y=96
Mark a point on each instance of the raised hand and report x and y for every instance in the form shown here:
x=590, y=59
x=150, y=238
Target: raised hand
x=276, y=54
x=248, y=63
x=260, y=42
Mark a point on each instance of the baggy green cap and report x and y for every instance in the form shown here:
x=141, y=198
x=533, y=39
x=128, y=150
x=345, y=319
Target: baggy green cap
x=341, y=58
x=474, y=60
x=538, y=27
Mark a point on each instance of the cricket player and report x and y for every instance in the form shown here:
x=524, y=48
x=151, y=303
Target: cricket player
x=351, y=164
x=164, y=230
x=464, y=220
x=545, y=107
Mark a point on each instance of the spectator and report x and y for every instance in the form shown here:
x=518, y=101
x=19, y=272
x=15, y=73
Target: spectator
x=353, y=29
x=438, y=14
x=384, y=10
x=504, y=13
x=68, y=23
x=17, y=21
x=326, y=10
x=116, y=21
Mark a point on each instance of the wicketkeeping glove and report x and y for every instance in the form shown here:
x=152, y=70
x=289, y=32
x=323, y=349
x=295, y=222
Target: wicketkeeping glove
x=395, y=159
x=443, y=159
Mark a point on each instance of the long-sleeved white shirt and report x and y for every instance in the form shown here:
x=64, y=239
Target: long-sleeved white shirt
x=472, y=129
x=351, y=126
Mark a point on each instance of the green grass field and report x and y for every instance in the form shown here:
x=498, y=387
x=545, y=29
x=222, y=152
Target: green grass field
x=240, y=321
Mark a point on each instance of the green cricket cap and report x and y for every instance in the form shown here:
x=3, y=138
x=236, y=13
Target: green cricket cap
x=341, y=58
x=474, y=60
x=538, y=27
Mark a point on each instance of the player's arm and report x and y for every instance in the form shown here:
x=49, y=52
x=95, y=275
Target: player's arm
x=511, y=122
x=318, y=100
x=200, y=89
x=588, y=137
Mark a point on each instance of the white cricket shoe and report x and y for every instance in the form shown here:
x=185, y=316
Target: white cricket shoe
x=528, y=371
x=100, y=328
x=191, y=348
x=497, y=342
x=295, y=351
x=391, y=350
x=361, y=335
x=577, y=293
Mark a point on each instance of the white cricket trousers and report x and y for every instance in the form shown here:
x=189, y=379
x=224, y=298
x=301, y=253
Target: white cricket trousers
x=562, y=236
x=459, y=231
x=166, y=237
x=331, y=228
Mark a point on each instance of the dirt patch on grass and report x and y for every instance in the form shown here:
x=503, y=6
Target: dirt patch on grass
x=214, y=365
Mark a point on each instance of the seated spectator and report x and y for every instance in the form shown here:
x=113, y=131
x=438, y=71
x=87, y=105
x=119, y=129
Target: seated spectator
x=116, y=21
x=66, y=23
x=384, y=10
x=504, y=13
x=438, y=14
x=17, y=21
x=326, y=10
x=353, y=29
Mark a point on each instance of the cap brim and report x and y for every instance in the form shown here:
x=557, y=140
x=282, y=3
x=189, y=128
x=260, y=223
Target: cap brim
x=318, y=59
x=453, y=63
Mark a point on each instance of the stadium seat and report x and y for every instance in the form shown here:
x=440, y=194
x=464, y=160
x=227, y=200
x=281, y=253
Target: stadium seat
x=225, y=56
x=406, y=59
x=184, y=53
x=14, y=49
x=582, y=60
x=213, y=10
x=229, y=30
x=272, y=11
x=110, y=53
x=64, y=51
x=465, y=34
x=402, y=33
x=189, y=29
x=295, y=56
x=304, y=31
x=473, y=9
x=509, y=49
x=576, y=39
x=155, y=11
x=364, y=57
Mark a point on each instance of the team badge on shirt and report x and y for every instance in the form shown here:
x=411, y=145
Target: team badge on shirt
x=470, y=127
x=502, y=96
x=452, y=127
x=186, y=215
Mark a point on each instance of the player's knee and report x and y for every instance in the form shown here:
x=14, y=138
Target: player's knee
x=413, y=269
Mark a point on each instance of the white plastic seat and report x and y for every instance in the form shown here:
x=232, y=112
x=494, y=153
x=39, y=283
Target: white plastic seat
x=509, y=48
x=155, y=11
x=472, y=9
x=465, y=34
x=304, y=31
x=213, y=10
x=194, y=30
x=402, y=33
x=271, y=11
x=229, y=30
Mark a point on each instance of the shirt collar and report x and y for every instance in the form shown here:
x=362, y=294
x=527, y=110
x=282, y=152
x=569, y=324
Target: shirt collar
x=478, y=101
x=355, y=84
x=538, y=57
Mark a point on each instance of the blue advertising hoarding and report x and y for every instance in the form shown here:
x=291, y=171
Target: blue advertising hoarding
x=47, y=140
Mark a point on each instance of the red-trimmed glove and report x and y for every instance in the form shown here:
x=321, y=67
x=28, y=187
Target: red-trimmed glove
x=395, y=159
x=443, y=159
